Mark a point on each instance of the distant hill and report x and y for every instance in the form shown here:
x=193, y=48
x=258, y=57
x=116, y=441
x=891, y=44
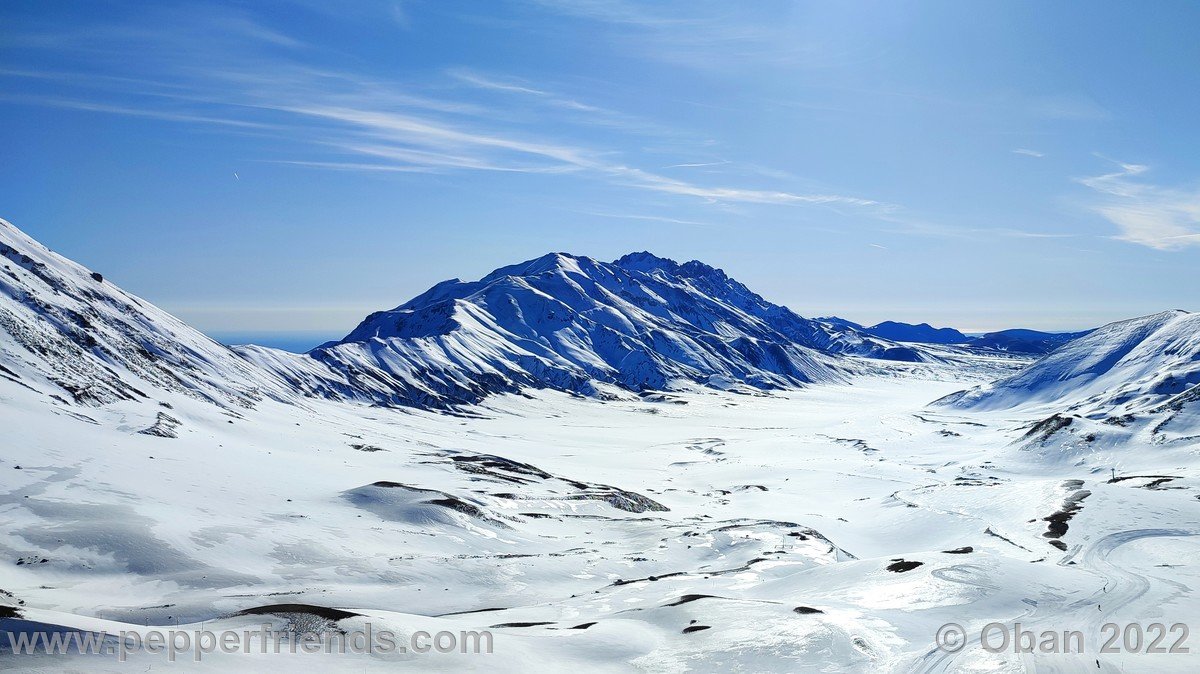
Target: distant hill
x=1025, y=341
x=922, y=333
x=1018, y=341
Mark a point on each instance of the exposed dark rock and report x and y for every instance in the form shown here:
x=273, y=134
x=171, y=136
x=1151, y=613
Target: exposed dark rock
x=900, y=566
x=325, y=612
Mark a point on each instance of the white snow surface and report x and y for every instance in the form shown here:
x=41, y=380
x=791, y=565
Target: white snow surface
x=1142, y=373
x=695, y=529
x=67, y=331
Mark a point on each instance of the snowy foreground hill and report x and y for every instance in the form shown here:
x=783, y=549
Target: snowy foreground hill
x=739, y=488
x=1139, y=377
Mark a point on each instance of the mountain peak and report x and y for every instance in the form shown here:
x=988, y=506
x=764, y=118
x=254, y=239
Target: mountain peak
x=646, y=261
x=550, y=262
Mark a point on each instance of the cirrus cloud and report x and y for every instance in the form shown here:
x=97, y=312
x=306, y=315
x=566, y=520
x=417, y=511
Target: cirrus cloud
x=1163, y=218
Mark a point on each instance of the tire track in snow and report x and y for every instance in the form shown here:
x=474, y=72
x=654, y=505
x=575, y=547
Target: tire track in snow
x=1121, y=588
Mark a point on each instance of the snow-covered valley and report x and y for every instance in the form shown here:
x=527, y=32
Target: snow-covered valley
x=772, y=503
x=740, y=517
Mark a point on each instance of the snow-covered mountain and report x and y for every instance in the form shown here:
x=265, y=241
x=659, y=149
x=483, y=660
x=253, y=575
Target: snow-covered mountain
x=561, y=322
x=576, y=324
x=69, y=333
x=1117, y=374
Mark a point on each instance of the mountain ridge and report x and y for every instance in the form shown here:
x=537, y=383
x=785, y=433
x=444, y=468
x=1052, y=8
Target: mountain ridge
x=558, y=321
x=1138, y=372
x=571, y=321
x=71, y=331
x=923, y=333
x=1014, y=340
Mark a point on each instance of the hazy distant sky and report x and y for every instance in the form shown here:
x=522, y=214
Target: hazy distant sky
x=273, y=165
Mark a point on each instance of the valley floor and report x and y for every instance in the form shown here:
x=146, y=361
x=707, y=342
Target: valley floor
x=833, y=528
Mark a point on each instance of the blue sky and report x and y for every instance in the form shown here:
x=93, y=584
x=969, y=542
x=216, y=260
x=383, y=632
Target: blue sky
x=281, y=165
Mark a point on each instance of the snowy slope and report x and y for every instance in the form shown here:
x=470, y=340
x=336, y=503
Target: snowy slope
x=67, y=332
x=572, y=323
x=1140, y=370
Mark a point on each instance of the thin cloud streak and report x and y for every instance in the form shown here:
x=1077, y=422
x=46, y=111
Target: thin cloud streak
x=912, y=227
x=650, y=218
x=704, y=35
x=248, y=77
x=577, y=112
x=414, y=130
x=660, y=183
x=1158, y=217
x=88, y=106
x=699, y=164
x=482, y=82
x=349, y=166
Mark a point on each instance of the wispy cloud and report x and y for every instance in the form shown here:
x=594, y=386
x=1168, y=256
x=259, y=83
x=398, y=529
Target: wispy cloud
x=350, y=166
x=1025, y=234
x=439, y=140
x=614, y=11
x=1028, y=153
x=87, y=106
x=393, y=12
x=1159, y=217
x=484, y=82
x=1070, y=107
x=546, y=99
x=650, y=218
x=661, y=183
x=704, y=164
x=230, y=71
x=704, y=34
x=917, y=227
x=193, y=31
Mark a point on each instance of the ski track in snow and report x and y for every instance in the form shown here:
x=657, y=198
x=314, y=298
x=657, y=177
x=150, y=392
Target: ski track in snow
x=1121, y=589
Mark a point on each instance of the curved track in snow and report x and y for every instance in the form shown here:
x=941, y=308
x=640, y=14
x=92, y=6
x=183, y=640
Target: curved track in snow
x=1122, y=587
